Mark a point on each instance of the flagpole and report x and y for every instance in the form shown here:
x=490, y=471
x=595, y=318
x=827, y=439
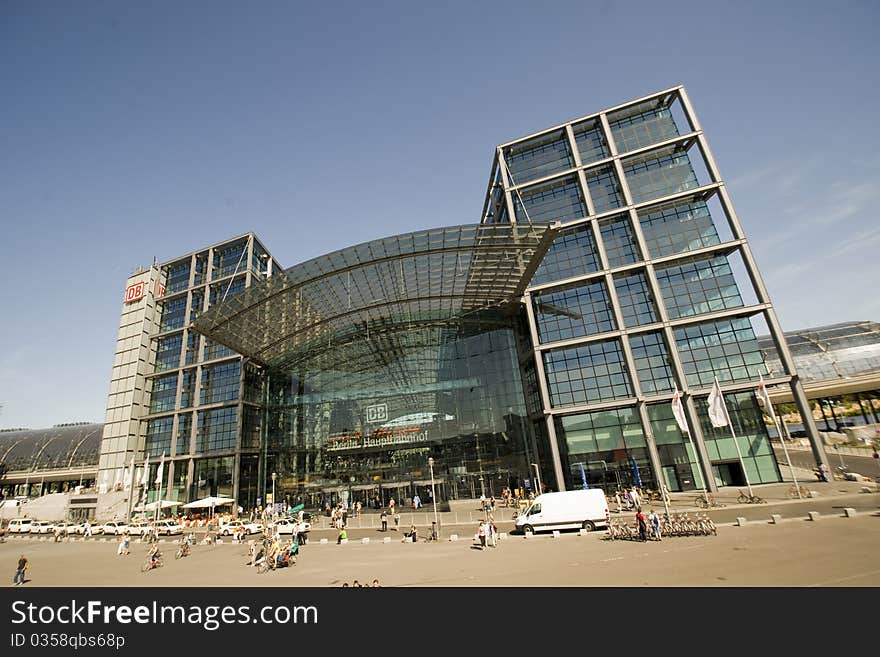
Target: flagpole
x=762, y=389
x=687, y=430
x=735, y=441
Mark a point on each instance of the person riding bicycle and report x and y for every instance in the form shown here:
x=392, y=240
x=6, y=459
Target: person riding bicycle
x=183, y=544
x=154, y=555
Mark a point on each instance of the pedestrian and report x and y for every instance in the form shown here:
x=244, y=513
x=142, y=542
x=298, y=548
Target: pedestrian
x=119, y=548
x=636, y=499
x=88, y=529
x=491, y=534
x=396, y=521
x=654, y=519
x=357, y=509
x=417, y=501
x=481, y=534
x=375, y=583
x=617, y=500
x=643, y=525
x=23, y=565
x=342, y=536
x=391, y=505
x=384, y=519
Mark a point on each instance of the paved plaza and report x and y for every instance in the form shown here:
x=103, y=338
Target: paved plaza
x=833, y=550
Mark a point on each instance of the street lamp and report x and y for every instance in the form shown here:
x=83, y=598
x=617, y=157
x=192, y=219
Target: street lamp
x=436, y=529
x=274, y=476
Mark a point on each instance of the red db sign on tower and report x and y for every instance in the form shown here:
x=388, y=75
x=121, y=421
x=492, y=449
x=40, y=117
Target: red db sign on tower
x=135, y=291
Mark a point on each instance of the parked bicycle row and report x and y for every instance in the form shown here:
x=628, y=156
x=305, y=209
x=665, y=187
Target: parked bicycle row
x=657, y=527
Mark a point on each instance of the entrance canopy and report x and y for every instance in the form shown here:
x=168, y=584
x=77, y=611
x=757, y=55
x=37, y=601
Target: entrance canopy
x=351, y=309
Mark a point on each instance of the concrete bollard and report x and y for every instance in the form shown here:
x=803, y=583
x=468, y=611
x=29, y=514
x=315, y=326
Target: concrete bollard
x=555, y=533
x=324, y=541
x=387, y=539
x=849, y=512
x=740, y=521
x=344, y=541
x=454, y=537
x=813, y=515
x=365, y=540
x=775, y=519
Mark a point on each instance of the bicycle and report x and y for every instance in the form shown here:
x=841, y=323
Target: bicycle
x=707, y=501
x=149, y=564
x=743, y=498
x=799, y=492
x=182, y=550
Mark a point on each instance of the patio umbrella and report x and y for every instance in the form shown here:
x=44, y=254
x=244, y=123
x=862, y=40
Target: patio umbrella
x=636, y=475
x=163, y=504
x=209, y=503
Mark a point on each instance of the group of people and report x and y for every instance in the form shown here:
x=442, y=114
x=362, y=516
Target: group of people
x=652, y=521
x=487, y=534
x=356, y=584
x=628, y=498
x=273, y=550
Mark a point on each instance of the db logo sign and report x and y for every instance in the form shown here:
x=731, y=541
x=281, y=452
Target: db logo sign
x=135, y=292
x=377, y=413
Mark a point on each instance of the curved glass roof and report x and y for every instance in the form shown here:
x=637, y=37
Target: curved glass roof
x=65, y=446
x=383, y=291
x=834, y=351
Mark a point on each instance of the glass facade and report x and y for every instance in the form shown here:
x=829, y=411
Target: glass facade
x=643, y=291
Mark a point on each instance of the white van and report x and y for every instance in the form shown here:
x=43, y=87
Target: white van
x=20, y=526
x=571, y=509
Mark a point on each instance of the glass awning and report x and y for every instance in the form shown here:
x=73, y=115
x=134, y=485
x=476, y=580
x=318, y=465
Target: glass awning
x=385, y=291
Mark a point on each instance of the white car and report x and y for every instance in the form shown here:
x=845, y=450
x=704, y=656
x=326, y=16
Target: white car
x=42, y=527
x=229, y=528
x=169, y=527
x=64, y=527
x=287, y=525
x=138, y=528
x=113, y=527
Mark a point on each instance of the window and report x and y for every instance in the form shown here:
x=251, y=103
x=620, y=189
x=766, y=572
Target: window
x=573, y=312
x=558, y=200
x=538, y=157
x=698, y=285
x=572, y=253
x=587, y=374
x=620, y=243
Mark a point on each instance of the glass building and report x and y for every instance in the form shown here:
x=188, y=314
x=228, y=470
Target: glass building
x=542, y=344
x=649, y=287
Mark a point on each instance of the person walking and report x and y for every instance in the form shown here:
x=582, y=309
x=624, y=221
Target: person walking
x=481, y=533
x=23, y=565
x=88, y=529
x=384, y=519
x=396, y=521
x=654, y=519
x=417, y=501
x=643, y=525
x=636, y=499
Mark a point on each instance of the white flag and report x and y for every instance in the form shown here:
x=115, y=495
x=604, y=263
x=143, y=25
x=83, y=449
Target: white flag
x=717, y=409
x=161, y=472
x=764, y=400
x=678, y=412
x=146, y=473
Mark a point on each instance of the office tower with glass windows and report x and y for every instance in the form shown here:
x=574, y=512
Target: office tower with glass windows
x=650, y=286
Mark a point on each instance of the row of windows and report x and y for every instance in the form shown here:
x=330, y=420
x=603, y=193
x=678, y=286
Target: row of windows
x=596, y=372
x=550, y=153
x=667, y=230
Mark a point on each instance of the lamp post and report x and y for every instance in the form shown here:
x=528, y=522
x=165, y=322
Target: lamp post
x=436, y=528
x=274, y=476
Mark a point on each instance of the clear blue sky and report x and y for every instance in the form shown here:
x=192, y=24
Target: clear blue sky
x=134, y=130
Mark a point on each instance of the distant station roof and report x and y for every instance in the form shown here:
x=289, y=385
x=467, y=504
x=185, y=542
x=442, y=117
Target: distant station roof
x=385, y=296
x=62, y=446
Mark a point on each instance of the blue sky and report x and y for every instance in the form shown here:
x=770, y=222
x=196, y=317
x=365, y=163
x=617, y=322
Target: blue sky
x=134, y=130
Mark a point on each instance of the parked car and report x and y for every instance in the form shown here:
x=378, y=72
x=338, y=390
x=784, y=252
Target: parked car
x=79, y=529
x=287, y=525
x=41, y=527
x=19, y=525
x=114, y=527
x=169, y=527
x=138, y=528
x=63, y=526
